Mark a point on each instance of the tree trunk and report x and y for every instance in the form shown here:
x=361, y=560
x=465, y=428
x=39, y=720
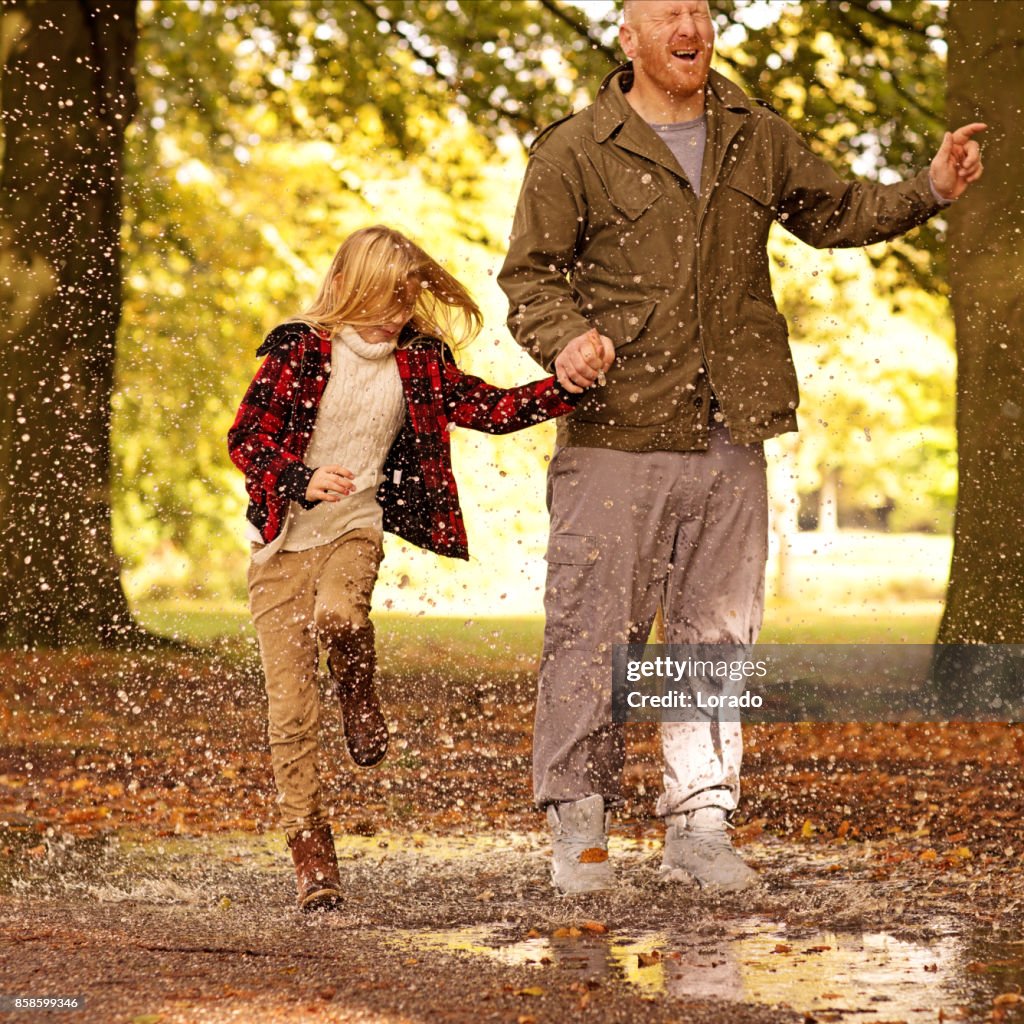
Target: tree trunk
x=828, y=502
x=66, y=96
x=985, y=601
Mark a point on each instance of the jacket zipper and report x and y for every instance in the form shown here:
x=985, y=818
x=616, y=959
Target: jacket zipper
x=700, y=323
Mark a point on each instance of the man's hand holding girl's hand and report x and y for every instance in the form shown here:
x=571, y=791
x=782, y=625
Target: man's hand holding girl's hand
x=330, y=483
x=583, y=361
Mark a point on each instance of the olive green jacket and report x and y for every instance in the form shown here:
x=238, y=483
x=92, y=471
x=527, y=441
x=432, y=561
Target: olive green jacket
x=608, y=233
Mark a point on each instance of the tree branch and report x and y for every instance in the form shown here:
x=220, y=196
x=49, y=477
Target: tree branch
x=863, y=39
x=886, y=18
x=427, y=58
x=552, y=7
x=521, y=123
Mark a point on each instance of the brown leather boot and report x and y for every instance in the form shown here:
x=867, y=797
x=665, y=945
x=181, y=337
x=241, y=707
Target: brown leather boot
x=351, y=664
x=316, y=869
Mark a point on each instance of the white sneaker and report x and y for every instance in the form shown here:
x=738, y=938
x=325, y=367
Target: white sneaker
x=579, y=846
x=698, y=844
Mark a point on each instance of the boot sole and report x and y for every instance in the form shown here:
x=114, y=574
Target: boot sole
x=321, y=900
x=371, y=763
x=677, y=876
x=604, y=886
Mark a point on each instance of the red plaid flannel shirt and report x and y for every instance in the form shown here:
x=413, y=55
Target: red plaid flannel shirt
x=271, y=432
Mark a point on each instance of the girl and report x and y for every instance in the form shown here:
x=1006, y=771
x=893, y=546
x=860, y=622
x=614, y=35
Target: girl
x=343, y=433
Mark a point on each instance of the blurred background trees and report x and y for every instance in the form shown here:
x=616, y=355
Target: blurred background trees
x=268, y=131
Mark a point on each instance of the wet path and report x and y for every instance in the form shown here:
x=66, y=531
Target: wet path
x=465, y=928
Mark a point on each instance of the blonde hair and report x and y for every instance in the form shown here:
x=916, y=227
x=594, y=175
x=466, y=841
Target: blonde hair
x=369, y=283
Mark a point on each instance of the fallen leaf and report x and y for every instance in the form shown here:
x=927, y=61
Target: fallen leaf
x=593, y=855
x=566, y=933
x=1008, y=999
x=649, y=959
x=533, y=990
x=595, y=927
x=781, y=947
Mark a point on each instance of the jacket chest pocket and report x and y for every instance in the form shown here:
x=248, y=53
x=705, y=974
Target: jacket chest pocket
x=746, y=210
x=631, y=190
x=751, y=176
x=754, y=185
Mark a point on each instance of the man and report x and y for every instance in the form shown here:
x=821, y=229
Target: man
x=638, y=272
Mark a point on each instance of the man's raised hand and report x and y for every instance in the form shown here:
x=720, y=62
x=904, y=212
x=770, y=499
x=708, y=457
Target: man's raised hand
x=584, y=360
x=958, y=162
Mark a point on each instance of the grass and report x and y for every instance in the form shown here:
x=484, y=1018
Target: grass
x=418, y=645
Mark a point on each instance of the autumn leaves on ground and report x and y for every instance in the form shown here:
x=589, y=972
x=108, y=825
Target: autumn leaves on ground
x=915, y=829
x=175, y=745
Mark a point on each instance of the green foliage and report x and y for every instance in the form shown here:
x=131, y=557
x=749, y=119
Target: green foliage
x=877, y=370
x=268, y=131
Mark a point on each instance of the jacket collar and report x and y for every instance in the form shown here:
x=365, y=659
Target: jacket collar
x=726, y=106
x=611, y=110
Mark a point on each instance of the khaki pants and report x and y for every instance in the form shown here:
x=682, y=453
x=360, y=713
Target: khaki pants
x=297, y=599
x=688, y=530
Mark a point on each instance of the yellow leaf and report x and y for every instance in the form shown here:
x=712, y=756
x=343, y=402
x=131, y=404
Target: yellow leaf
x=533, y=990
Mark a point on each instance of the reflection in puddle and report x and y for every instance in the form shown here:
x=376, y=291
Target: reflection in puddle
x=857, y=977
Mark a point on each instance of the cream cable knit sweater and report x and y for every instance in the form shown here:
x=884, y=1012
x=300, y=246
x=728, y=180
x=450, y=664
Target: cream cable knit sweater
x=360, y=415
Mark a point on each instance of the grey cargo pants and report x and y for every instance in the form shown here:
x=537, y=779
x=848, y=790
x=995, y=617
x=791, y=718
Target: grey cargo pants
x=630, y=530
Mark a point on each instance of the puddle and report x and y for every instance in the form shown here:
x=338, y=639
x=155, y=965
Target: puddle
x=473, y=895
x=853, y=977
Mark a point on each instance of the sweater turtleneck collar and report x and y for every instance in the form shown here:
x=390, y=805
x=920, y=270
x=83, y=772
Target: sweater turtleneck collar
x=366, y=349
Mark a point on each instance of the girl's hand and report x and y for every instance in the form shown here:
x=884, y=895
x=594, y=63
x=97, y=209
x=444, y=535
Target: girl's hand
x=330, y=483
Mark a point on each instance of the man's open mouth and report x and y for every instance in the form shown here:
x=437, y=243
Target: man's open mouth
x=688, y=55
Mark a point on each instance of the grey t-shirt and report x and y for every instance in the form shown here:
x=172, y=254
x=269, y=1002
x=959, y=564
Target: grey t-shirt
x=686, y=140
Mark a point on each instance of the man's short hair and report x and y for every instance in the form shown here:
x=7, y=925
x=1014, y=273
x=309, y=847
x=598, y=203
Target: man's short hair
x=629, y=7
